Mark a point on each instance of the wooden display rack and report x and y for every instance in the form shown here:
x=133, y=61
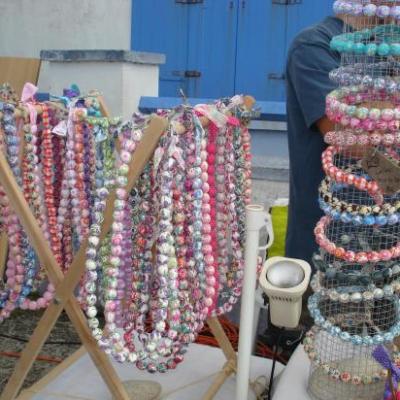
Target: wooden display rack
x=64, y=298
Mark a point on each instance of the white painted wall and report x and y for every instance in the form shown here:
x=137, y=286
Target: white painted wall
x=121, y=83
x=28, y=26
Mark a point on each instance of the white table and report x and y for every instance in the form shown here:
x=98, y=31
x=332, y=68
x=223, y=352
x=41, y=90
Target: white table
x=292, y=382
x=81, y=381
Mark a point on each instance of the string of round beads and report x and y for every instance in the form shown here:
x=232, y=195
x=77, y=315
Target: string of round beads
x=389, y=210
x=353, y=76
x=34, y=196
x=357, y=219
x=376, y=75
x=341, y=176
x=79, y=202
x=329, y=326
x=15, y=271
x=221, y=210
x=384, y=41
x=104, y=183
x=205, y=266
x=232, y=283
x=48, y=174
x=192, y=273
x=350, y=138
x=350, y=256
x=111, y=338
x=166, y=309
x=368, y=9
x=211, y=162
x=64, y=217
x=336, y=373
x=351, y=274
x=141, y=199
x=354, y=294
x=342, y=108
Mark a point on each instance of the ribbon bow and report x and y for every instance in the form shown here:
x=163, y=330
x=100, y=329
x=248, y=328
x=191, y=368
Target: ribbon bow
x=212, y=114
x=382, y=355
x=172, y=150
x=27, y=97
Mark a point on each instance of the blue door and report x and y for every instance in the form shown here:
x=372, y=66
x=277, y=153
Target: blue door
x=162, y=26
x=217, y=48
x=261, y=49
x=304, y=14
x=198, y=38
x=212, y=51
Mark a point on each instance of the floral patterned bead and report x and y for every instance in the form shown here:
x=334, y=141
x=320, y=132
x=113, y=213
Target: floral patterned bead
x=345, y=377
x=366, y=379
x=334, y=373
x=356, y=380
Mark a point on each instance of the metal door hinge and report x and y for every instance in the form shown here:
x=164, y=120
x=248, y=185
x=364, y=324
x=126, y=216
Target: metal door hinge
x=287, y=2
x=187, y=74
x=276, y=77
x=189, y=1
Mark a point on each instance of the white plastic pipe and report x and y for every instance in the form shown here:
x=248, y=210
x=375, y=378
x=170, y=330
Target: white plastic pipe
x=255, y=220
x=258, y=306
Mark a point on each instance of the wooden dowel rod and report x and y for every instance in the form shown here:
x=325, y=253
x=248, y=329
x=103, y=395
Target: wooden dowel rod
x=220, y=335
x=3, y=253
x=223, y=375
x=55, y=372
x=103, y=106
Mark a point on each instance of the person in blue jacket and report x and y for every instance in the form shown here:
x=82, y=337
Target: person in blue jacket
x=310, y=60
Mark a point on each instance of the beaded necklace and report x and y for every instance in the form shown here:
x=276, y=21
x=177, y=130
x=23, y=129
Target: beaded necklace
x=48, y=181
x=17, y=263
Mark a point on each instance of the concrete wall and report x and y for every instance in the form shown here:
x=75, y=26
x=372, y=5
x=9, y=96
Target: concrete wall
x=28, y=26
x=121, y=83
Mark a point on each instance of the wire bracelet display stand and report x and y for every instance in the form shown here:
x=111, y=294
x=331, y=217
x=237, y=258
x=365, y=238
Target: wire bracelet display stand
x=64, y=298
x=355, y=304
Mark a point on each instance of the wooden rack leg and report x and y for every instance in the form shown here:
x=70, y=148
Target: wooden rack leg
x=230, y=354
x=65, y=286
x=3, y=253
x=27, y=394
x=223, y=375
x=222, y=339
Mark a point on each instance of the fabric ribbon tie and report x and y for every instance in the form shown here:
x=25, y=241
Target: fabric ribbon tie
x=382, y=355
x=172, y=151
x=212, y=114
x=27, y=97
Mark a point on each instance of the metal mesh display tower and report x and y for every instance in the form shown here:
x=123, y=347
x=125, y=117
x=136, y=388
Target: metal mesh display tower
x=355, y=304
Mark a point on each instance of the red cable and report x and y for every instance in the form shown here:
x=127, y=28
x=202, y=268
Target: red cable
x=232, y=332
x=38, y=358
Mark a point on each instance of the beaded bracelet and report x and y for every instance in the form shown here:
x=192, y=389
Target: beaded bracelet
x=390, y=210
x=352, y=274
x=337, y=374
x=341, y=176
x=351, y=256
x=354, y=294
x=357, y=219
x=353, y=42
x=368, y=74
x=341, y=108
x=334, y=330
x=370, y=9
x=351, y=75
x=350, y=138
